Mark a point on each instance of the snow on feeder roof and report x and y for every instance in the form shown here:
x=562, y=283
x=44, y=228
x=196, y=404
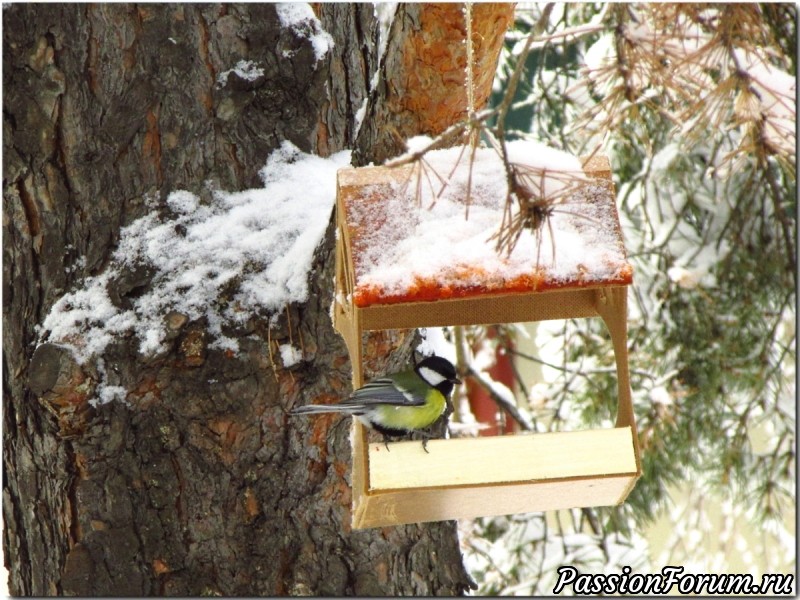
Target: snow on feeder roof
x=410, y=243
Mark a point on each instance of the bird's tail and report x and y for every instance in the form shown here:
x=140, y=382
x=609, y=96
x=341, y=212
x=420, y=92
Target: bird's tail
x=316, y=409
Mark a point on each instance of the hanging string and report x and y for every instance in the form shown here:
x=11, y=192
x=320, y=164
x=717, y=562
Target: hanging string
x=470, y=82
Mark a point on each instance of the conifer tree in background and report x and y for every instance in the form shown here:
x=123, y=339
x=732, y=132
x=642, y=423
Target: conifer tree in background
x=695, y=105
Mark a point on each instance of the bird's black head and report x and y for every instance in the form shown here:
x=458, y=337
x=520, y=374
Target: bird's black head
x=438, y=372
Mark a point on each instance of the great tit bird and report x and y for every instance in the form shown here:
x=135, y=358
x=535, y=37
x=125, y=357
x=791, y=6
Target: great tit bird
x=398, y=404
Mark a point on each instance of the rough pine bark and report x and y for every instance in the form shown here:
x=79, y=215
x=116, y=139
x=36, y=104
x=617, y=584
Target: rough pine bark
x=198, y=483
x=422, y=88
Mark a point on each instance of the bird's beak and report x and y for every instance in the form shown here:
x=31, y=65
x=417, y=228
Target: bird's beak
x=456, y=380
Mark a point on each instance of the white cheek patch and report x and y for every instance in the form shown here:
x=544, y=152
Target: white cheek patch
x=432, y=377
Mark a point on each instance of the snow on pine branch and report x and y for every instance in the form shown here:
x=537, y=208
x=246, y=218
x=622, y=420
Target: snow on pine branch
x=239, y=254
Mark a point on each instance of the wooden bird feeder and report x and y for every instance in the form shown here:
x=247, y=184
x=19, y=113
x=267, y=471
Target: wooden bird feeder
x=484, y=476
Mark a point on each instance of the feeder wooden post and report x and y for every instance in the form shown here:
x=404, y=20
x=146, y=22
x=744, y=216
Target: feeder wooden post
x=612, y=306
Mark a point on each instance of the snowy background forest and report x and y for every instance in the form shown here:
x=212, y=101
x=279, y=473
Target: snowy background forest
x=696, y=108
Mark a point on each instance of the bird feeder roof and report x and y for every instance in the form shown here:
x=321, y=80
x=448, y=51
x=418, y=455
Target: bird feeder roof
x=411, y=238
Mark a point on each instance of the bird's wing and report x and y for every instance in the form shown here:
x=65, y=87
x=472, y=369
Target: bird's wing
x=385, y=391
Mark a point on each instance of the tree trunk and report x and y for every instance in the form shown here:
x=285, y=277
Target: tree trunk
x=197, y=483
x=422, y=88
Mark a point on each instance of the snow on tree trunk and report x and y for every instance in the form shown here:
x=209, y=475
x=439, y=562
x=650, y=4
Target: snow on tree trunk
x=197, y=482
